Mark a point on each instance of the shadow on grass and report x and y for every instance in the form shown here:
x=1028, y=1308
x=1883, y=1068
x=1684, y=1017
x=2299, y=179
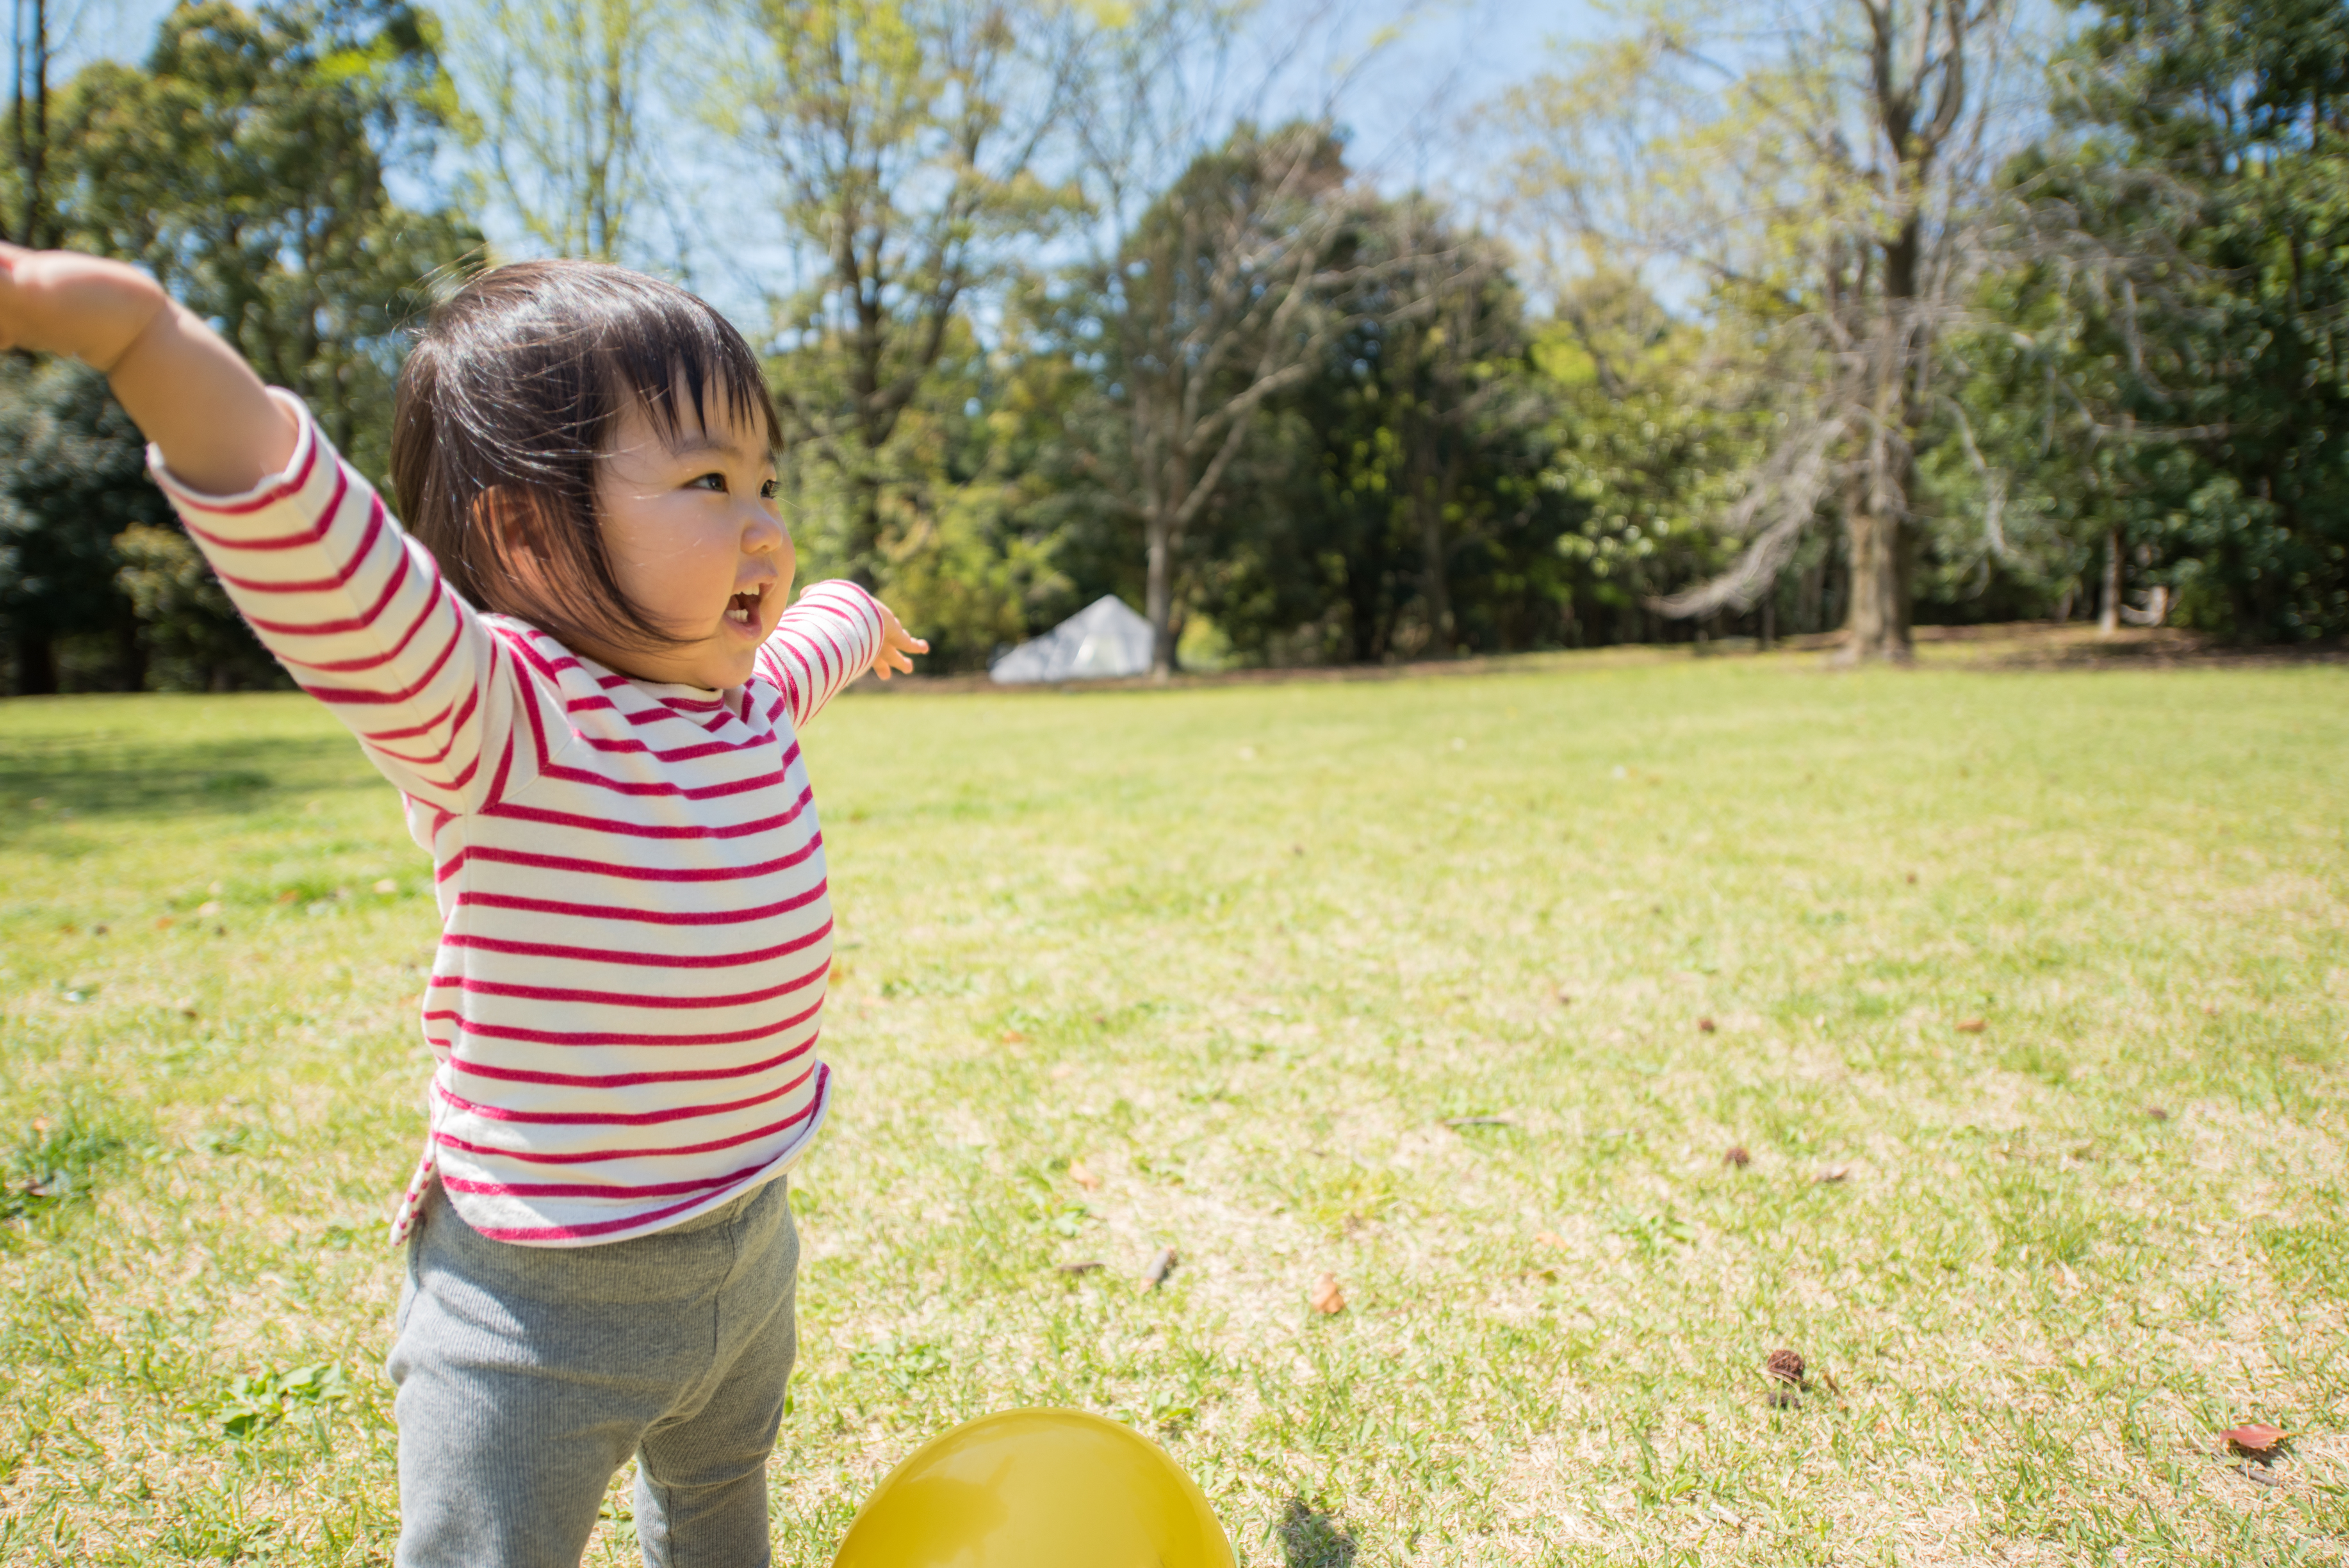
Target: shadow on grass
x=1310, y=1538
x=91, y=777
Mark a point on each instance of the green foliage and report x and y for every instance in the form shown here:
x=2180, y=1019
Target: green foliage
x=73, y=477
x=898, y=139
x=1393, y=504
x=1657, y=422
x=193, y=637
x=2195, y=400
x=244, y=164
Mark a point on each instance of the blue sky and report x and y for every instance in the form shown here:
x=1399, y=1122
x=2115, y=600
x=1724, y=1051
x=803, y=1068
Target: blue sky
x=1407, y=102
x=1403, y=106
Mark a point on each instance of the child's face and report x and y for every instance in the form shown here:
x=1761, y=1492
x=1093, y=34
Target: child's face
x=695, y=538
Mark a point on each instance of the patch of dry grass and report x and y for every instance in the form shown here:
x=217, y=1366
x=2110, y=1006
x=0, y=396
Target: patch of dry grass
x=1397, y=981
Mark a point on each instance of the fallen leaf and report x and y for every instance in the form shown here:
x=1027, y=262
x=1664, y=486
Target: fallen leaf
x=210, y=906
x=1972, y=1025
x=2255, y=1437
x=1014, y=1037
x=1326, y=1298
x=1083, y=1268
x=1706, y=1025
x=1161, y=1265
x=1564, y=997
x=289, y=896
x=1832, y=1174
x=1737, y=1156
x=1550, y=1238
x=164, y=923
x=2210, y=1009
x=1912, y=879
x=1083, y=1176
x=2157, y=1113
x=387, y=885
x=1063, y=1070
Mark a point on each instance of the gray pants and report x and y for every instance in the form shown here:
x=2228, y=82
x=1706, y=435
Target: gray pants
x=528, y=1376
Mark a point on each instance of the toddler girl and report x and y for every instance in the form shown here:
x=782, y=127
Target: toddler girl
x=579, y=670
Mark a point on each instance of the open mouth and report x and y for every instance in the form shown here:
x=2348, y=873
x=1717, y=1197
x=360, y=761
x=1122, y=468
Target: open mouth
x=743, y=608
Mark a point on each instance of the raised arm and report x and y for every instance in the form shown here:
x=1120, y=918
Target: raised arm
x=352, y=606
x=217, y=425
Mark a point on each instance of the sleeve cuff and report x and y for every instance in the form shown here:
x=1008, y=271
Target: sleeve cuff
x=265, y=492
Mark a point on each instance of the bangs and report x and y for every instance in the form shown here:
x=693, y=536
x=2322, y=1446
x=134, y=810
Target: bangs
x=675, y=353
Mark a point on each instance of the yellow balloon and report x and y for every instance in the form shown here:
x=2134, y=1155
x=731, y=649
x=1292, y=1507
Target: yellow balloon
x=1035, y=1488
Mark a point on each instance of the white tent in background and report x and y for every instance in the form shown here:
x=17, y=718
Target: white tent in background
x=1100, y=641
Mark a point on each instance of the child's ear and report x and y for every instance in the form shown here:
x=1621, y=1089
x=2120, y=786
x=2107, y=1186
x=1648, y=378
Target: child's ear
x=508, y=520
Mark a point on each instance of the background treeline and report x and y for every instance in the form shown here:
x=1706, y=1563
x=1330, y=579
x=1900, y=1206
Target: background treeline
x=1761, y=321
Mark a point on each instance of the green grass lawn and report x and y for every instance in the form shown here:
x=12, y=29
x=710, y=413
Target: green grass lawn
x=2027, y=994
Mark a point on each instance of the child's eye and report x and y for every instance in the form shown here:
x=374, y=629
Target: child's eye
x=769, y=490
x=709, y=481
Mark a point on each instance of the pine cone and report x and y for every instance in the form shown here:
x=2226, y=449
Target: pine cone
x=1786, y=1367
x=1737, y=1156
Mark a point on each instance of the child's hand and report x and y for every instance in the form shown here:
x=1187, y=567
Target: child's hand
x=896, y=644
x=58, y=302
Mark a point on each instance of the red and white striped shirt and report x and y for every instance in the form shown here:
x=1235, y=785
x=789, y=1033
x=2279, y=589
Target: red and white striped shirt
x=635, y=932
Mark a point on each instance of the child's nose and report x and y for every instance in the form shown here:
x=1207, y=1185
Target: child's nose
x=762, y=532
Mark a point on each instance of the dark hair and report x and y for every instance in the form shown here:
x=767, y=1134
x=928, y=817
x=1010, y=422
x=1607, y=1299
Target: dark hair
x=515, y=386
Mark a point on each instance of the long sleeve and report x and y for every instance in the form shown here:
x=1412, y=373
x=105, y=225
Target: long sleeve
x=821, y=643
x=358, y=614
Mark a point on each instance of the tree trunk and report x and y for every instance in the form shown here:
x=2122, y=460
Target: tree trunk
x=1877, y=627
x=2109, y=614
x=36, y=665
x=1435, y=582
x=130, y=656
x=864, y=531
x=1158, y=592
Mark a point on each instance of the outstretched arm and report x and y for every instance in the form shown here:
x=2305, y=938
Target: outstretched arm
x=354, y=609
x=834, y=633
x=219, y=428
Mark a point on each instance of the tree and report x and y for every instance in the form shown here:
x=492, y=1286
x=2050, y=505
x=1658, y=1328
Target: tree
x=902, y=141
x=244, y=164
x=1221, y=296
x=561, y=88
x=1659, y=422
x=2200, y=349
x=1826, y=175
x=33, y=48
x=75, y=477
